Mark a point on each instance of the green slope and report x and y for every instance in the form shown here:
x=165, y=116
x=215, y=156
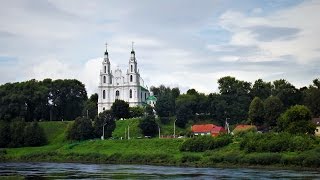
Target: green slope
x=122, y=128
x=55, y=131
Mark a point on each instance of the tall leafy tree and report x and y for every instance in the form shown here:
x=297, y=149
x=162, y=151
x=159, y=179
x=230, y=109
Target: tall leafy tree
x=235, y=94
x=149, y=126
x=107, y=119
x=312, y=98
x=261, y=89
x=5, y=136
x=91, y=106
x=120, y=109
x=288, y=94
x=256, y=111
x=184, y=113
x=273, y=108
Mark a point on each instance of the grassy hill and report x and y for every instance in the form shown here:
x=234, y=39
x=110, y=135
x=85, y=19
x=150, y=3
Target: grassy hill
x=55, y=130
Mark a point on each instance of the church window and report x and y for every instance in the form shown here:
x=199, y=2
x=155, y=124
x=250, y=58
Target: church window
x=131, y=68
x=104, y=94
x=145, y=96
x=104, y=108
x=117, y=94
x=105, y=69
x=130, y=78
x=141, y=95
x=130, y=93
x=104, y=79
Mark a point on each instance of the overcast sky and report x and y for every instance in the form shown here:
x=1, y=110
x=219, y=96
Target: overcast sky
x=189, y=44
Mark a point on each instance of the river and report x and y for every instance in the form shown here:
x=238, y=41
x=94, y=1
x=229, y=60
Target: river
x=111, y=171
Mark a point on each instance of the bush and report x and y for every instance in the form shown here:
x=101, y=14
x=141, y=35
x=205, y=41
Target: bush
x=203, y=143
x=190, y=158
x=276, y=142
x=34, y=135
x=81, y=129
x=262, y=159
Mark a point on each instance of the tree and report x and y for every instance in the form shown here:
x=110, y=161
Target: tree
x=34, y=135
x=175, y=92
x=16, y=132
x=256, y=111
x=104, y=118
x=287, y=93
x=81, y=129
x=261, y=89
x=273, y=107
x=136, y=111
x=149, y=110
x=165, y=107
x=235, y=94
x=5, y=137
x=149, y=126
x=312, y=98
x=91, y=106
x=120, y=109
x=184, y=113
x=296, y=120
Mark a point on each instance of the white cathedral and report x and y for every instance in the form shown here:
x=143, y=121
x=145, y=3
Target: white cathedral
x=128, y=86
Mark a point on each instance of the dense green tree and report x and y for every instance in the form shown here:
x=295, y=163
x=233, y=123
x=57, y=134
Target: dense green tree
x=273, y=107
x=288, y=94
x=296, y=120
x=149, y=126
x=104, y=118
x=80, y=129
x=34, y=135
x=91, y=107
x=256, y=111
x=17, y=133
x=184, y=113
x=165, y=106
x=5, y=137
x=235, y=94
x=149, y=110
x=136, y=111
x=120, y=109
x=312, y=98
x=261, y=89
x=175, y=92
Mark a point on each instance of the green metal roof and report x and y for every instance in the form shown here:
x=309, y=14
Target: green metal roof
x=152, y=98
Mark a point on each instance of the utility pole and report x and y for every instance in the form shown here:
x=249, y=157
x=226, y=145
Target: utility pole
x=159, y=131
x=174, y=128
x=125, y=133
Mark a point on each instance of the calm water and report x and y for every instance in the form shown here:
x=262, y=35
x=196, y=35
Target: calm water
x=106, y=171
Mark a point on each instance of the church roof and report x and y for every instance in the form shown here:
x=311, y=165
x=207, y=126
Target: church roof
x=152, y=98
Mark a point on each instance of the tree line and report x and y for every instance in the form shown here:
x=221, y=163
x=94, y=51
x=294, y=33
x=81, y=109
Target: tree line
x=233, y=100
x=42, y=100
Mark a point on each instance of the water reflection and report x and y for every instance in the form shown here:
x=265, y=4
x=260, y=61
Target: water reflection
x=106, y=171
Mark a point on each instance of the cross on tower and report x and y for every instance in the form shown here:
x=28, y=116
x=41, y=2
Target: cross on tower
x=106, y=45
x=132, y=45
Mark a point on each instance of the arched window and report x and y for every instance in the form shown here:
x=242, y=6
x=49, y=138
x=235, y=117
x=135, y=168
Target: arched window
x=104, y=108
x=130, y=93
x=141, y=95
x=145, y=96
x=131, y=68
x=104, y=79
x=105, y=69
x=130, y=78
x=117, y=94
x=104, y=94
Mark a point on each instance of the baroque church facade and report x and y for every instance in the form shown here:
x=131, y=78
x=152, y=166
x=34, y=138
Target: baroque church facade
x=127, y=86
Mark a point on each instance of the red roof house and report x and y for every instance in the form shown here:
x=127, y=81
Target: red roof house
x=207, y=129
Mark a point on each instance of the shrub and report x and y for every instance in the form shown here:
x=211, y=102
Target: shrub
x=81, y=129
x=189, y=158
x=262, y=158
x=34, y=135
x=203, y=143
x=276, y=142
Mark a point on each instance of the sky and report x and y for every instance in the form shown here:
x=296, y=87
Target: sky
x=178, y=43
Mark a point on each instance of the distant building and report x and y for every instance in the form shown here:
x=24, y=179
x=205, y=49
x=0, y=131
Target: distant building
x=127, y=86
x=316, y=121
x=207, y=129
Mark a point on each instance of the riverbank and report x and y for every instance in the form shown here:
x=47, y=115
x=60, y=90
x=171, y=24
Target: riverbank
x=159, y=152
x=154, y=152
